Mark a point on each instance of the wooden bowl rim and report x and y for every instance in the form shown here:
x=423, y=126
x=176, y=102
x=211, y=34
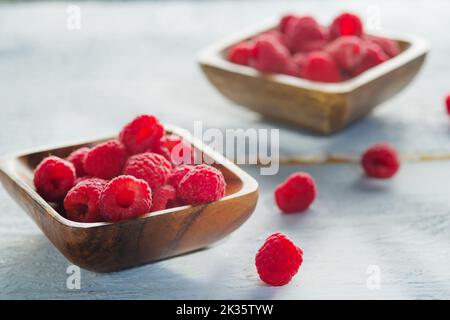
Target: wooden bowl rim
x=212, y=56
x=249, y=184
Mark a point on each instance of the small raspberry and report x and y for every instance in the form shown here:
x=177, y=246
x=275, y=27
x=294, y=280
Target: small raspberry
x=373, y=55
x=321, y=67
x=106, y=160
x=180, y=151
x=296, y=193
x=346, y=24
x=77, y=158
x=380, y=161
x=125, y=197
x=447, y=103
x=304, y=34
x=141, y=134
x=300, y=60
x=270, y=55
x=162, y=197
x=276, y=35
x=150, y=167
x=241, y=53
x=81, y=202
x=389, y=46
x=202, y=184
x=178, y=173
x=291, y=68
x=278, y=260
x=347, y=51
x=285, y=20
x=53, y=177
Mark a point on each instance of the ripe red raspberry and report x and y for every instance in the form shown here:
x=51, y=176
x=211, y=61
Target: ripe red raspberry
x=53, y=177
x=380, y=161
x=447, y=103
x=77, y=158
x=151, y=167
x=162, y=197
x=278, y=260
x=296, y=193
x=81, y=202
x=125, y=197
x=373, y=55
x=276, y=35
x=389, y=46
x=241, y=53
x=291, y=68
x=106, y=160
x=304, y=34
x=180, y=151
x=285, y=20
x=270, y=55
x=141, y=134
x=346, y=24
x=178, y=173
x=321, y=67
x=202, y=184
x=300, y=60
x=347, y=52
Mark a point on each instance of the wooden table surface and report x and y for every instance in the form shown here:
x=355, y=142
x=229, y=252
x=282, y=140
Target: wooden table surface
x=58, y=85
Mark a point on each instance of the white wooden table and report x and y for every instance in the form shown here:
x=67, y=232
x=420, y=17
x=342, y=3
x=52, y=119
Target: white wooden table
x=58, y=85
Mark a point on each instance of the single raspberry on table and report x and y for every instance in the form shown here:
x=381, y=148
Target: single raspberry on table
x=81, y=202
x=321, y=67
x=447, y=103
x=347, y=51
x=241, y=53
x=296, y=193
x=270, y=56
x=77, y=159
x=53, y=178
x=380, y=161
x=106, y=160
x=151, y=167
x=278, y=260
x=178, y=173
x=346, y=24
x=162, y=197
x=390, y=47
x=202, y=184
x=304, y=34
x=125, y=197
x=373, y=56
x=141, y=134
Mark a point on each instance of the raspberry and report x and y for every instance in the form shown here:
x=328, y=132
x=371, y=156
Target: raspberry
x=150, y=167
x=77, y=158
x=373, y=55
x=270, y=55
x=81, y=202
x=106, y=160
x=296, y=193
x=241, y=53
x=346, y=24
x=162, y=196
x=180, y=151
x=300, y=60
x=278, y=260
x=202, y=184
x=291, y=68
x=389, y=46
x=178, y=173
x=285, y=20
x=141, y=134
x=275, y=35
x=447, y=103
x=125, y=197
x=380, y=161
x=321, y=67
x=53, y=177
x=304, y=34
x=347, y=52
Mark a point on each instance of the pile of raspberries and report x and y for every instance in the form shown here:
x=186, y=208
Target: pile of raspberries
x=301, y=47
x=143, y=170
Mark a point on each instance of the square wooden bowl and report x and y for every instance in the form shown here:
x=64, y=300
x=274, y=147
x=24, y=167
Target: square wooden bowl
x=104, y=246
x=321, y=107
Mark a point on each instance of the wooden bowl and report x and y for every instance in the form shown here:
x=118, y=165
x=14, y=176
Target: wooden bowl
x=105, y=247
x=321, y=107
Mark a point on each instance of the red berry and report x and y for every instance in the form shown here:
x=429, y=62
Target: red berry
x=150, y=167
x=141, y=134
x=380, y=161
x=347, y=52
x=304, y=34
x=162, y=197
x=270, y=55
x=296, y=193
x=53, y=177
x=291, y=68
x=106, y=160
x=275, y=35
x=202, y=184
x=285, y=20
x=447, y=103
x=346, y=24
x=241, y=53
x=373, y=55
x=278, y=260
x=81, y=202
x=77, y=158
x=321, y=67
x=389, y=46
x=300, y=60
x=178, y=173
x=125, y=197
x=180, y=151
